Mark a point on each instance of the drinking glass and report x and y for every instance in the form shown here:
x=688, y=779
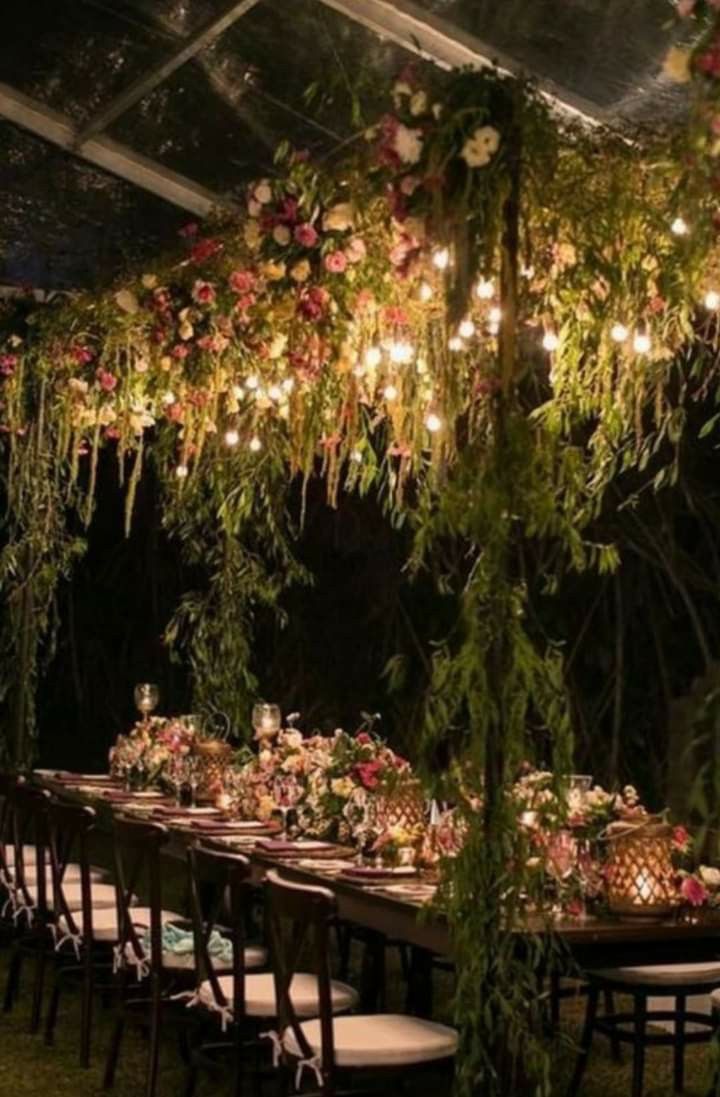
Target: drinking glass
x=194, y=775
x=177, y=775
x=266, y=720
x=286, y=792
x=147, y=696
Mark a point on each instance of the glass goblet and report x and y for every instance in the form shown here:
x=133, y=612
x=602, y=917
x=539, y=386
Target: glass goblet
x=147, y=696
x=266, y=720
x=177, y=774
x=286, y=792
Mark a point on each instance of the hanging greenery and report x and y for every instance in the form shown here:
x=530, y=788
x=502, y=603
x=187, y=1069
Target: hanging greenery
x=481, y=315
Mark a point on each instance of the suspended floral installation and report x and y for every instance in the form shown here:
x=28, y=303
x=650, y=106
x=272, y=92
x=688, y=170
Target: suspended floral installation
x=484, y=314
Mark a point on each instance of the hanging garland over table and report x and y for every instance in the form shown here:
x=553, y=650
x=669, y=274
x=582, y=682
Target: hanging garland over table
x=482, y=316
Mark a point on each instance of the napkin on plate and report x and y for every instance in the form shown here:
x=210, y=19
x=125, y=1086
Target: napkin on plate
x=281, y=845
x=369, y=872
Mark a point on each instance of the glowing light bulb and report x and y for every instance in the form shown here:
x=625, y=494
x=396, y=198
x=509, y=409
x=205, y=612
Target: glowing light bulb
x=238, y=392
x=231, y=437
x=441, y=258
x=252, y=383
x=275, y=392
x=288, y=384
x=426, y=291
x=455, y=343
x=390, y=392
x=712, y=300
x=433, y=422
x=527, y=272
x=680, y=227
x=641, y=342
x=255, y=445
x=495, y=315
x=181, y=471
x=356, y=456
x=466, y=329
x=485, y=289
x=373, y=357
x=550, y=341
x=402, y=353
x=619, y=333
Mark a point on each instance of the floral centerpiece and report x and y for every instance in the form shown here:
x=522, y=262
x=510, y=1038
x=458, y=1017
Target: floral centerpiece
x=141, y=757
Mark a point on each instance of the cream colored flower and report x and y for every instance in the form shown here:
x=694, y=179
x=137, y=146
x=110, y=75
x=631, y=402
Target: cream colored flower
x=265, y=807
x=281, y=235
x=339, y=218
x=418, y=103
x=262, y=192
x=273, y=271
x=278, y=345
x=342, y=787
x=126, y=300
x=292, y=739
x=676, y=65
x=479, y=149
x=186, y=330
x=252, y=234
x=408, y=144
x=710, y=876
x=106, y=415
x=149, y=281
x=300, y=272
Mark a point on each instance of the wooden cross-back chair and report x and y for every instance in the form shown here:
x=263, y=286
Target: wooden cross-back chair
x=333, y=1043
x=8, y=783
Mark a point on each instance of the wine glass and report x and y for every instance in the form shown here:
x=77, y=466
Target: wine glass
x=147, y=696
x=286, y=792
x=266, y=720
x=194, y=775
x=177, y=775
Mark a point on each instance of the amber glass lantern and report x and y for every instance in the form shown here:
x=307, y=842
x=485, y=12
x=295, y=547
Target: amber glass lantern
x=404, y=806
x=213, y=758
x=640, y=873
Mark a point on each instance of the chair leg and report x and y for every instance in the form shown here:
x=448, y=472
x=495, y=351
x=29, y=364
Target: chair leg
x=114, y=1051
x=38, y=986
x=639, y=1045
x=52, y=1013
x=86, y=1014
x=12, y=986
x=679, y=1044
x=615, y=1046
x=155, y=1010
x=585, y=1041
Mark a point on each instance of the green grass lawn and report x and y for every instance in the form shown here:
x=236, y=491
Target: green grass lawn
x=29, y=1069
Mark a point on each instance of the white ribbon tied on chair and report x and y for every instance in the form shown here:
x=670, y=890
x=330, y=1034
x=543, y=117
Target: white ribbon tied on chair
x=194, y=998
x=76, y=940
x=277, y=1048
x=129, y=956
x=312, y=1064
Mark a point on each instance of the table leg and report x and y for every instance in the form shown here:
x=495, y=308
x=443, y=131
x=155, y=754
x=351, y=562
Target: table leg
x=420, y=983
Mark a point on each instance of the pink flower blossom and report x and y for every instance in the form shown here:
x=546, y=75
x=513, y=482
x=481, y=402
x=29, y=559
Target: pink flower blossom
x=203, y=293
x=313, y=303
x=409, y=184
x=693, y=891
x=180, y=351
x=363, y=738
x=355, y=251
x=395, y=314
x=336, y=262
x=306, y=235
x=364, y=300
x=288, y=211
x=215, y=343
x=368, y=773
x=205, y=249
x=242, y=281
x=8, y=362
x=82, y=355
x=709, y=62
x=681, y=838
x=112, y=433
x=106, y=380
x=189, y=230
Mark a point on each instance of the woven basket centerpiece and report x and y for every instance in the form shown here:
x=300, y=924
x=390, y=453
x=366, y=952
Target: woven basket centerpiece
x=403, y=807
x=640, y=872
x=214, y=755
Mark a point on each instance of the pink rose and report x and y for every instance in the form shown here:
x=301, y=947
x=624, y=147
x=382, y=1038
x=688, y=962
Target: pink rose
x=363, y=737
x=203, y=292
x=355, y=251
x=8, y=363
x=368, y=773
x=313, y=303
x=336, y=262
x=242, y=281
x=205, y=249
x=107, y=380
x=680, y=837
x=180, y=351
x=82, y=355
x=306, y=235
x=693, y=891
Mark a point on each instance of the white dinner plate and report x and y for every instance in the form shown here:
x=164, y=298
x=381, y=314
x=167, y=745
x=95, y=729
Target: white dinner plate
x=148, y=794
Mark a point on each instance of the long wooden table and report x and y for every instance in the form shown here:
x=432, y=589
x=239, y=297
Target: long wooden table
x=594, y=941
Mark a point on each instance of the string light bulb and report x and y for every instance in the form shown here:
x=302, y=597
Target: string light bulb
x=619, y=333
x=426, y=291
x=680, y=227
x=288, y=384
x=485, y=289
x=466, y=329
x=356, y=456
x=641, y=342
x=255, y=445
x=168, y=398
x=181, y=472
x=401, y=353
x=231, y=437
x=712, y=300
x=455, y=343
x=441, y=258
x=373, y=357
x=252, y=383
x=433, y=422
x=275, y=392
x=550, y=341
x=390, y=392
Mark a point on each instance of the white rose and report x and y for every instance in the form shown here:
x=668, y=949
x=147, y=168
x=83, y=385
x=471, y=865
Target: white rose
x=710, y=876
x=479, y=149
x=262, y=192
x=293, y=739
x=252, y=234
x=418, y=103
x=408, y=143
x=338, y=218
x=281, y=235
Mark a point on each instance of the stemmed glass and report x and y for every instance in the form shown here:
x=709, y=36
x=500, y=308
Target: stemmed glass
x=266, y=720
x=365, y=829
x=194, y=775
x=177, y=775
x=286, y=792
x=147, y=696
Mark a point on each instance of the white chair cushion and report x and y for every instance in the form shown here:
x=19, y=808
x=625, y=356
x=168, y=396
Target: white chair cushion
x=29, y=855
x=102, y=895
x=72, y=874
x=385, y=1040
x=658, y=975
x=260, y=995
x=105, y=926
x=255, y=956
